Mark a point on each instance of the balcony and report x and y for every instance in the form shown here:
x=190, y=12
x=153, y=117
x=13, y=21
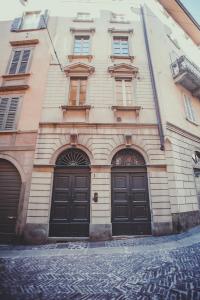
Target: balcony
x=187, y=74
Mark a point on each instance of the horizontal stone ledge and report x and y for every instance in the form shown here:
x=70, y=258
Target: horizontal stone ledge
x=11, y=88
x=17, y=148
x=24, y=42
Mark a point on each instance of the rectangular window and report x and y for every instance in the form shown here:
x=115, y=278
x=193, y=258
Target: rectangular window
x=30, y=20
x=188, y=109
x=8, y=111
x=124, y=91
x=83, y=16
x=82, y=44
x=19, y=62
x=77, y=93
x=120, y=46
x=117, y=18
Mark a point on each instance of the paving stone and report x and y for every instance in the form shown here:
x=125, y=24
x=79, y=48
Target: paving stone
x=85, y=271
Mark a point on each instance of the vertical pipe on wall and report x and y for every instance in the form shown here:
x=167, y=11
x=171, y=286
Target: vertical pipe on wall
x=153, y=82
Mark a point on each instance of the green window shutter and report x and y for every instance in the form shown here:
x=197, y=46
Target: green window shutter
x=8, y=111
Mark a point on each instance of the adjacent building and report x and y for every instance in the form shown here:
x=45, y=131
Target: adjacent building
x=118, y=137
x=24, y=64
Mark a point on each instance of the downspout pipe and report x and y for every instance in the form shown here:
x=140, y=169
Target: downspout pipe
x=153, y=82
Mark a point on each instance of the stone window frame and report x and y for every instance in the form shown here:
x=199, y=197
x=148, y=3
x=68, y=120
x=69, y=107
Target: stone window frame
x=73, y=71
x=122, y=71
x=189, y=110
x=81, y=32
x=113, y=18
x=79, y=19
x=121, y=33
x=20, y=48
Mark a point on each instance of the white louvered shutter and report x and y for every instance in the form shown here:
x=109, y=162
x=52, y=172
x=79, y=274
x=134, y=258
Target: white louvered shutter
x=19, y=61
x=8, y=111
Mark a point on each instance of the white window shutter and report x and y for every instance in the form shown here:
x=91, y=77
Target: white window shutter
x=15, y=61
x=8, y=111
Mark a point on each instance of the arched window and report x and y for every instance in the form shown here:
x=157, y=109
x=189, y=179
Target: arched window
x=128, y=157
x=73, y=158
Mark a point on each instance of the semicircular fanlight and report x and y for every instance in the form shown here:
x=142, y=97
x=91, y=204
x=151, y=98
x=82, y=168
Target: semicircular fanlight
x=73, y=158
x=128, y=157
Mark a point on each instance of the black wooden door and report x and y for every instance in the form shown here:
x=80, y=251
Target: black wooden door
x=130, y=204
x=70, y=209
x=10, y=187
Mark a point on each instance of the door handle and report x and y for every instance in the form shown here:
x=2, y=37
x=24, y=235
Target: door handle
x=11, y=217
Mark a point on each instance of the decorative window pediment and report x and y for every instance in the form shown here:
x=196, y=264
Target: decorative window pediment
x=121, y=70
x=79, y=69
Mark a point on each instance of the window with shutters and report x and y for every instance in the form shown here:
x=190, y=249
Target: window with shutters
x=120, y=45
x=31, y=20
x=8, y=112
x=124, y=91
x=19, y=61
x=77, y=91
x=82, y=44
x=189, y=109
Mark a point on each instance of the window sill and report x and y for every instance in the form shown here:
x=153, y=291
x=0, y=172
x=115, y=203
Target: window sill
x=11, y=88
x=4, y=131
x=84, y=21
x=25, y=42
x=126, y=107
x=120, y=108
x=192, y=122
x=15, y=76
x=28, y=30
x=120, y=22
x=130, y=57
x=80, y=56
x=75, y=107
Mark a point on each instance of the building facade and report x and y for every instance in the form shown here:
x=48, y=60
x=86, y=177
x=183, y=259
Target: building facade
x=22, y=84
x=118, y=139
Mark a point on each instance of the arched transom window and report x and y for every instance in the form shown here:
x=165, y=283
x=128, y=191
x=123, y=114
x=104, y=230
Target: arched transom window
x=73, y=158
x=128, y=157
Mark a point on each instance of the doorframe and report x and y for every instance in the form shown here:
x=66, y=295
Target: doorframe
x=73, y=171
x=16, y=165
x=134, y=169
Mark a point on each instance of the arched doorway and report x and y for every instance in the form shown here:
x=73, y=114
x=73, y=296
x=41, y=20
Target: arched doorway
x=10, y=188
x=70, y=208
x=130, y=198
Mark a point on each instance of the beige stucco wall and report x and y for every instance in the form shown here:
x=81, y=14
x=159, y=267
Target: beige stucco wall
x=170, y=172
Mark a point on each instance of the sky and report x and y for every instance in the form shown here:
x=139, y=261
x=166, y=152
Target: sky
x=193, y=6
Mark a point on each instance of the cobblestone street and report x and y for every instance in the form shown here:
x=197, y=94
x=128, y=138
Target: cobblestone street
x=159, y=268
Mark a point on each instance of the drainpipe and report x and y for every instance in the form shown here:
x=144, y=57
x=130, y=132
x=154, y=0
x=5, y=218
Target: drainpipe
x=153, y=82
